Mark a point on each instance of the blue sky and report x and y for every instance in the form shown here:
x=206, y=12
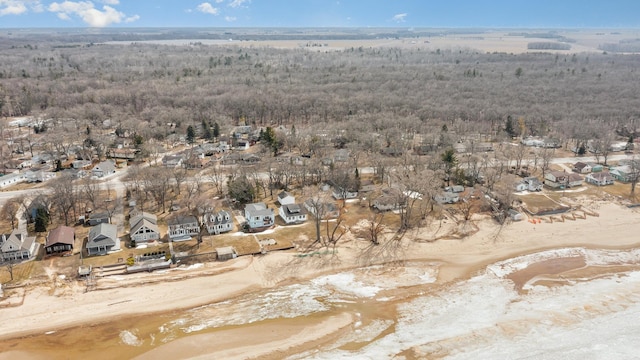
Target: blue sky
x=321, y=13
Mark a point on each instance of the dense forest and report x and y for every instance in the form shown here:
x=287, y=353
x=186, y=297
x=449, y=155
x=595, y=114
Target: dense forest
x=142, y=87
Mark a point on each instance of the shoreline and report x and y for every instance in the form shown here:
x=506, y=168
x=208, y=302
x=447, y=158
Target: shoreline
x=458, y=259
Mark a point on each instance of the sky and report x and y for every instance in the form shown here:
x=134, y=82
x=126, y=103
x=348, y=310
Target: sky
x=321, y=13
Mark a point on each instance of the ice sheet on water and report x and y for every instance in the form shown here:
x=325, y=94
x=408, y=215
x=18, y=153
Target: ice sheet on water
x=130, y=337
x=485, y=318
x=346, y=283
x=287, y=302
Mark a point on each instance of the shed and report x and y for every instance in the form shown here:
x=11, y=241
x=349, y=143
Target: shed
x=515, y=215
x=226, y=253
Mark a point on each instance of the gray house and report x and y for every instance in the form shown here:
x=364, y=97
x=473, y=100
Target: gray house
x=103, y=239
x=182, y=228
x=97, y=218
x=144, y=228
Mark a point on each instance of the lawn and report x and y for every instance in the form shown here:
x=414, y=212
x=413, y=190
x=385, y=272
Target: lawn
x=541, y=203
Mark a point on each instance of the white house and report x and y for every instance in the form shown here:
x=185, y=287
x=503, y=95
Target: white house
x=561, y=180
x=17, y=246
x=259, y=216
x=599, y=178
x=582, y=168
x=521, y=186
x=293, y=213
x=217, y=222
x=11, y=179
x=104, y=168
x=172, y=161
x=285, y=198
x=533, y=183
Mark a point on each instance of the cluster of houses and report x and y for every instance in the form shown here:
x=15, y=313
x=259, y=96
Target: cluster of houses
x=594, y=174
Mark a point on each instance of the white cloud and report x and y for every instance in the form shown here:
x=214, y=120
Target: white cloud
x=110, y=2
x=89, y=14
x=12, y=7
x=239, y=3
x=399, y=17
x=207, y=8
x=230, y=18
x=219, y=1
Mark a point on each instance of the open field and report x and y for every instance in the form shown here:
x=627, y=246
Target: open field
x=483, y=40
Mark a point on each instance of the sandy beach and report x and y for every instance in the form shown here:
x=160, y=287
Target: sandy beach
x=615, y=227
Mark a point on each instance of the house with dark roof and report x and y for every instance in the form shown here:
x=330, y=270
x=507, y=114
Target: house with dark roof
x=143, y=228
x=97, y=218
x=103, y=239
x=293, y=214
x=217, y=222
x=259, y=216
x=581, y=168
x=182, y=228
x=17, y=246
x=60, y=240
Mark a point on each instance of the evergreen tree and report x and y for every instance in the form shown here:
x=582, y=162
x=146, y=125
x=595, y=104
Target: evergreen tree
x=216, y=130
x=508, y=127
x=42, y=220
x=191, y=134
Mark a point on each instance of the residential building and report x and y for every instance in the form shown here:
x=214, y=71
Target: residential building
x=623, y=173
x=367, y=186
x=172, y=161
x=327, y=210
x=60, y=240
x=562, y=180
x=599, y=178
x=122, y=153
x=285, y=198
x=533, y=183
x=104, y=168
x=40, y=202
x=391, y=199
x=11, y=179
x=182, y=228
x=582, y=168
x=447, y=197
x=217, y=222
x=293, y=214
x=521, y=186
x=596, y=167
x=17, y=246
x=103, y=239
x=259, y=216
x=143, y=228
x=97, y=218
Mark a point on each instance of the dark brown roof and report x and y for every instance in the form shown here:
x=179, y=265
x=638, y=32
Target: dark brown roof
x=61, y=235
